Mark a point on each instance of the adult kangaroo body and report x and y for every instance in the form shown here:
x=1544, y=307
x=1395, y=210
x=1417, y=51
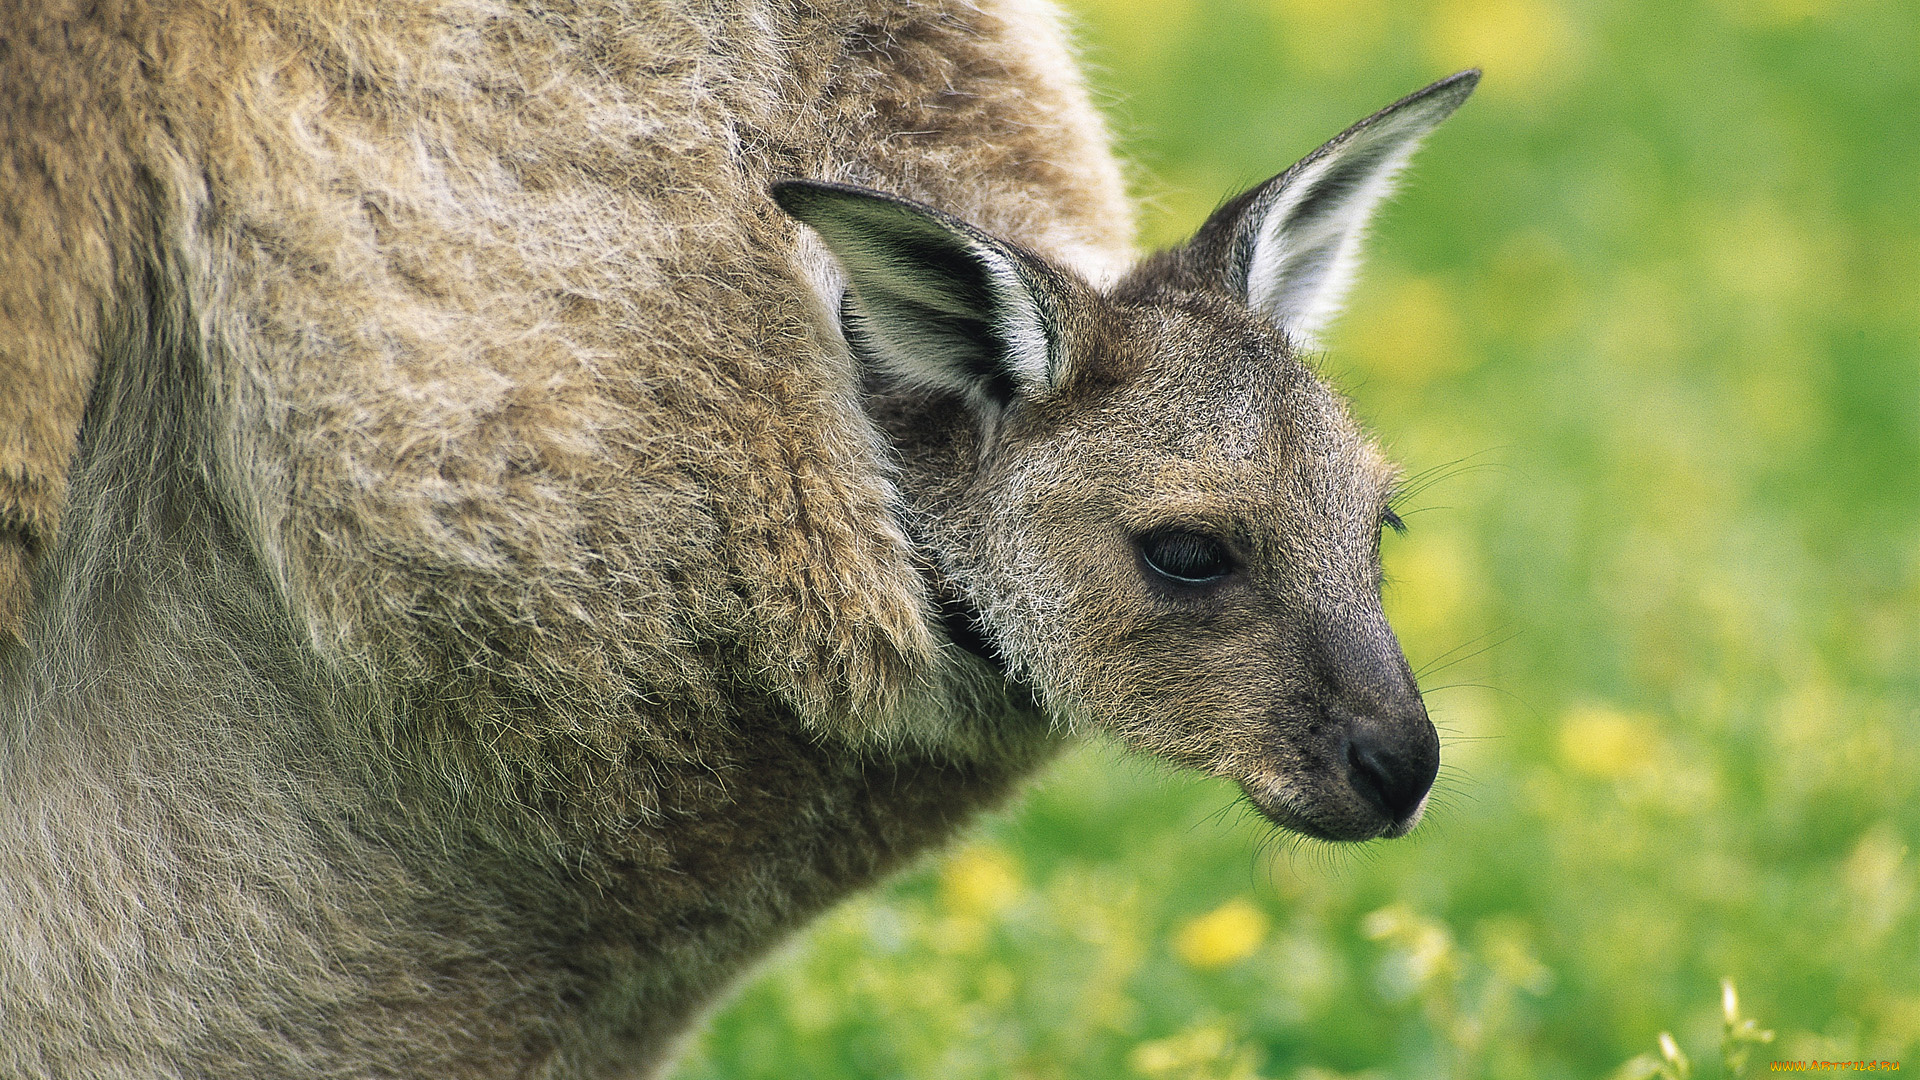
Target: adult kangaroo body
x=477, y=573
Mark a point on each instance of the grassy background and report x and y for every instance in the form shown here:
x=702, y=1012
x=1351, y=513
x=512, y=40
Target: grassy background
x=1649, y=308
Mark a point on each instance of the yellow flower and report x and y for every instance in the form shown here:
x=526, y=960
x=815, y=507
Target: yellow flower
x=1413, y=335
x=1604, y=742
x=1204, y=1052
x=979, y=881
x=1433, y=589
x=1522, y=44
x=1228, y=933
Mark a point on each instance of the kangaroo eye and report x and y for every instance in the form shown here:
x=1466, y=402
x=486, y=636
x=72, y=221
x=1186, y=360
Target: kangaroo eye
x=1185, y=558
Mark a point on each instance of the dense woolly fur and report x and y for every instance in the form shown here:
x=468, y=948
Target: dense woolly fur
x=480, y=623
x=461, y=600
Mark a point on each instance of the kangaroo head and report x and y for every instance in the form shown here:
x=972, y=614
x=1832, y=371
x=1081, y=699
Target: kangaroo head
x=1139, y=500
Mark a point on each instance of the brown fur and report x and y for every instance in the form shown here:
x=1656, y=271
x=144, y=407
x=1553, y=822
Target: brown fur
x=462, y=605
x=68, y=166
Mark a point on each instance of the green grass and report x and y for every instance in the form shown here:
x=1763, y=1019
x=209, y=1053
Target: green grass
x=1649, y=307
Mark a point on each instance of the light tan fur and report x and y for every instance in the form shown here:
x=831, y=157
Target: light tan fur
x=461, y=601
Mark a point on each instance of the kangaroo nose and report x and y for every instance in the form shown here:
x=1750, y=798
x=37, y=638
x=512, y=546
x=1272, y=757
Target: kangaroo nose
x=1393, y=774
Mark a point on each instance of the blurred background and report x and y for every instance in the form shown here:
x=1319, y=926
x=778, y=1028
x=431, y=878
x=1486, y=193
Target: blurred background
x=1645, y=322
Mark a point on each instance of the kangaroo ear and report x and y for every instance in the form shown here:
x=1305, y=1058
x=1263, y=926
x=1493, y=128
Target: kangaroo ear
x=1289, y=247
x=931, y=299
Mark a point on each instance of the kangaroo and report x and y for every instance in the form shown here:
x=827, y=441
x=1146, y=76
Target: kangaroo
x=508, y=511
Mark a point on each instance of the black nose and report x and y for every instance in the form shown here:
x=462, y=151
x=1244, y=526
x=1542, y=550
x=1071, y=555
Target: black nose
x=1393, y=773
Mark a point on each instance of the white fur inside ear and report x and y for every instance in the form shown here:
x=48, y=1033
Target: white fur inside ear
x=822, y=274
x=927, y=351
x=927, y=297
x=1021, y=323
x=1306, y=247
